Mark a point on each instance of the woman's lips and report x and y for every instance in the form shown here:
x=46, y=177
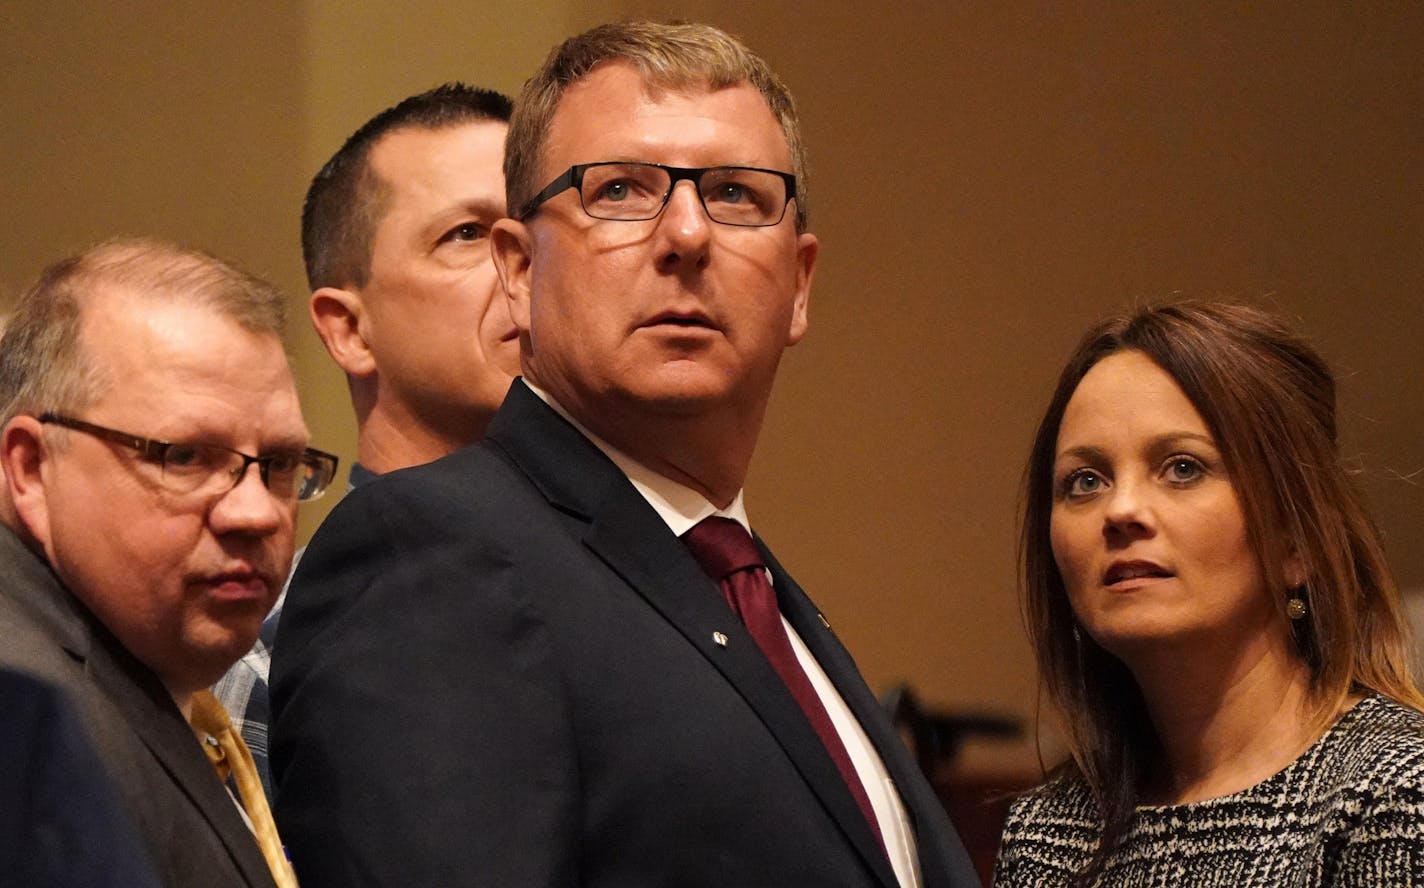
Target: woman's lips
x=1126, y=571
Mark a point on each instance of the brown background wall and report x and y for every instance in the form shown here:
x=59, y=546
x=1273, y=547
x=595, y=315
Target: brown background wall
x=986, y=181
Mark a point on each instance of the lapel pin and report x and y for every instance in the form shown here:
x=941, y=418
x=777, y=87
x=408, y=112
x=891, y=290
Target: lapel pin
x=720, y=639
x=822, y=618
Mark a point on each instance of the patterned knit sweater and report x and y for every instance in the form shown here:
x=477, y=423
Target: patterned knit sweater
x=1348, y=812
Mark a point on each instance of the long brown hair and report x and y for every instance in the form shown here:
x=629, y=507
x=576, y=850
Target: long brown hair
x=1268, y=400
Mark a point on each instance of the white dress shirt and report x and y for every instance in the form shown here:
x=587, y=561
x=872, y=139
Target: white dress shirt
x=681, y=508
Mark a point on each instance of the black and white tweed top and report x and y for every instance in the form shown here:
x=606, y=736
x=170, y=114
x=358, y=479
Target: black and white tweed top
x=1348, y=812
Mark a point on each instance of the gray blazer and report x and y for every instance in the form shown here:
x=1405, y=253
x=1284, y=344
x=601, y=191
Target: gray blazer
x=187, y=819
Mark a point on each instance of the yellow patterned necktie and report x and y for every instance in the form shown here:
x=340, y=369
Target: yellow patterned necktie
x=231, y=757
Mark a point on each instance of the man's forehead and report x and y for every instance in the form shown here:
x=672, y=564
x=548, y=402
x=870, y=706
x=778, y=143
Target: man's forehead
x=416, y=145
x=137, y=310
x=128, y=329
x=420, y=170
x=614, y=107
x=111, y=316
x=628, y=79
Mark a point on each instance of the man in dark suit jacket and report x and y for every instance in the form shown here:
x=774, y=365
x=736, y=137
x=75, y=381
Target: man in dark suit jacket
x=505, y=668
x=139, y=554
x=395, y=236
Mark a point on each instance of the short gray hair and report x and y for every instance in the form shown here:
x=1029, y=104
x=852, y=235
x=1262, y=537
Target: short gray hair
x=42, y=363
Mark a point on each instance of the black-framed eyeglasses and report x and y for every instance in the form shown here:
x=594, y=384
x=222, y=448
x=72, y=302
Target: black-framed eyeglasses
x=212, y=469
x=633, y=191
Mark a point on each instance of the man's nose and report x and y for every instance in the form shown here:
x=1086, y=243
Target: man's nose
x=686, y=225
x=250, y=506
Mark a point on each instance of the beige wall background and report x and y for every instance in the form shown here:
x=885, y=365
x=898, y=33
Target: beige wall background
x=987, y=179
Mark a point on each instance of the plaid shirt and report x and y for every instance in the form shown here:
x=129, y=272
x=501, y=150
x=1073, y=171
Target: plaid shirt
x=243, y=690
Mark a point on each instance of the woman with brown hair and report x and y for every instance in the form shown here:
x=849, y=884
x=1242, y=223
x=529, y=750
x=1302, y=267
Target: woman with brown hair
x=1215, y=622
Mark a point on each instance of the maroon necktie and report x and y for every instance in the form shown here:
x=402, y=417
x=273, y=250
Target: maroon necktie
x=726, y=552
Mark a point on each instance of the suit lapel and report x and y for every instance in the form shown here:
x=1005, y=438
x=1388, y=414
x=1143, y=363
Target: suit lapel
x=154, y=717
x=840, y=668
x=629, y=536
x=137, y=694
x=938, y=848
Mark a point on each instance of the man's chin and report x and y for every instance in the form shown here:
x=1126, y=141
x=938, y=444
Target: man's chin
x=198, y=669
x=215, y=647
x=684, y=389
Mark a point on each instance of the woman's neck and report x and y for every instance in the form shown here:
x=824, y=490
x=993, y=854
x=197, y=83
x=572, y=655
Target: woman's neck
x=1226, y=724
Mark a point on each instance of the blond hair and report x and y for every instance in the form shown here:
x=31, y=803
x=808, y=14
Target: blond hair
x=669, y=56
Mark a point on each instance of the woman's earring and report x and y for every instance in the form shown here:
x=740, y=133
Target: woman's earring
x=1295, y=605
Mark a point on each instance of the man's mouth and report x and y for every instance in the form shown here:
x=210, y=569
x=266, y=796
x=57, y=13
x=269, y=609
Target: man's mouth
x=238, y=585
x=680, y=319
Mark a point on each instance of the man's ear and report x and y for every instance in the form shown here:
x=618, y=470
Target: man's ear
x=337, y=316
x=807, y=248
x=23, y=454
x=509, y=244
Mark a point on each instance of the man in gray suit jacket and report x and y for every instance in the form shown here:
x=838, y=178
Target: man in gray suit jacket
x=508, y=668
x=139, y=383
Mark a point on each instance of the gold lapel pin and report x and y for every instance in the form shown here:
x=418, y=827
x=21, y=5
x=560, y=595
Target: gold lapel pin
x=822, y=618
x=719, y=639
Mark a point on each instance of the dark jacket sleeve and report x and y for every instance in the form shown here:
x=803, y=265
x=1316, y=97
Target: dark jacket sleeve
x=398, y=618
x=62, y=822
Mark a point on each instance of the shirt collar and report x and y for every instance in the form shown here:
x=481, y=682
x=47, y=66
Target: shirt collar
x=359, y=475
x=678, y=505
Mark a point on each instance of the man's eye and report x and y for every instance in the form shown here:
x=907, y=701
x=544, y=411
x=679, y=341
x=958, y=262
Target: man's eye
x=468, y=231
x=186, y=457
x=283, y=463
x=617, y=190
x=729, y=192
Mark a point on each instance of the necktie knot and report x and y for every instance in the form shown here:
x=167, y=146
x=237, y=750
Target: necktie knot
x=230, y=757
x=722, y=547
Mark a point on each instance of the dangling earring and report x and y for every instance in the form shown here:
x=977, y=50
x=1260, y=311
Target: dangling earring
x=1295, y=605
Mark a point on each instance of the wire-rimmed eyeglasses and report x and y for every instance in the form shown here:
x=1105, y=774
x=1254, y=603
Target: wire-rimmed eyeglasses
x=190, y=467
x=634, y=191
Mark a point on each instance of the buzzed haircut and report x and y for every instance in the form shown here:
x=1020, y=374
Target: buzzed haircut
x=42, y=361
x=346, y=200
